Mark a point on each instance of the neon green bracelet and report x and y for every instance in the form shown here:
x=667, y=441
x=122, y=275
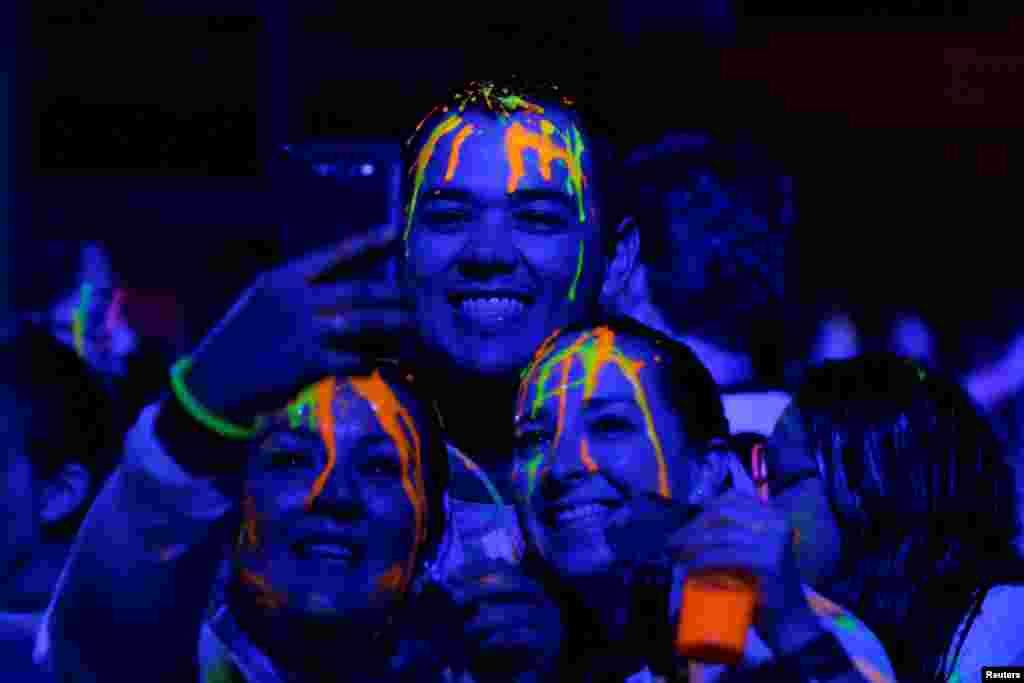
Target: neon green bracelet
x=201, y=414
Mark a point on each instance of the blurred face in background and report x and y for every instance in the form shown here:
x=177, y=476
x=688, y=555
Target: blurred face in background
x=89, y=318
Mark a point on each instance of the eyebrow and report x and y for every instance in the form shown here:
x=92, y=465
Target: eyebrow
x=524, y=196
x=595, y=404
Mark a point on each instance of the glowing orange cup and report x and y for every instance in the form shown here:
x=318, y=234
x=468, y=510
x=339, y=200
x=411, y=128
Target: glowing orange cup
x=716, y=613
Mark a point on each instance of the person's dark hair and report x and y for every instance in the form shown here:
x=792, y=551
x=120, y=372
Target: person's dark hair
x=742, y=304
x=686, y=384
x=63, y=411
x=434, y=450
x=924, y=497
x=599, y=145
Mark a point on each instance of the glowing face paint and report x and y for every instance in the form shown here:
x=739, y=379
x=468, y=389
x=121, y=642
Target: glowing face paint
x=79, y=318
x=453, y=156
x=595, y=349
x=585, y=458
x=579, y=271
x=533, y=471
x=518, y=139
x=396, y=422
x=422, y=159
x=325, y=392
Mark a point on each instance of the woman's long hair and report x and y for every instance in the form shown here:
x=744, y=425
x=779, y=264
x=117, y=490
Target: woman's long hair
x=925, y=500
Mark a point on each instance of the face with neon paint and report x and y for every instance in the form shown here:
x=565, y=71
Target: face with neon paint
x=335, y=507
x=593, y=430
x=503, y=235
x=799, y=492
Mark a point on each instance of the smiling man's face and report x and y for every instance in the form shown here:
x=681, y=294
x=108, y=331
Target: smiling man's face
x=503, y=237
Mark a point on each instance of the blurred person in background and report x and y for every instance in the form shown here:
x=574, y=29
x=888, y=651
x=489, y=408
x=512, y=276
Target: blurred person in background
x=59, y=443
x=716, y=219
x=906, y=509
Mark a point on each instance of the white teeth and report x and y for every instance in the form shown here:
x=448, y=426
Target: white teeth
x=492, y=306
x=330, y=550
x=580, y=512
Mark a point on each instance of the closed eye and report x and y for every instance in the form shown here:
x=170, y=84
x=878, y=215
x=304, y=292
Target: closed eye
x=545, y=219
x=287, y=459
x=611, y=426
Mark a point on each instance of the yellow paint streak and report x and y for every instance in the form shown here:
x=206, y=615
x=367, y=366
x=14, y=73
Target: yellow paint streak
x=392, y=416
x=419, y=168
x=453, y=156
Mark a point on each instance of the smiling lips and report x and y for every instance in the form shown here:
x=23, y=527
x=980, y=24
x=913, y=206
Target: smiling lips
x=329, y=549
x=580, y=512
x=490, y=306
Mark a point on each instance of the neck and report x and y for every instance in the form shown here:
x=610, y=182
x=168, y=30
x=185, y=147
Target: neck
x=607, y=601
x=303, y=651
x=477, y=414
x=30, y=587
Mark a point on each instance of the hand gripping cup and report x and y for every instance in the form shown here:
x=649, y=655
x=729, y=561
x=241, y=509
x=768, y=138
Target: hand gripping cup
x=716, y=614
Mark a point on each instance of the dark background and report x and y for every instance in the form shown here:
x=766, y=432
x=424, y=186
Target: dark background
x=160, y=128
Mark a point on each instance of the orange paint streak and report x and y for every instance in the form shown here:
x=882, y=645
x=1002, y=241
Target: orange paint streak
x=564, y=392
x=325, y=391
x=588, y=462
x=266, y=595
x=518, y=139
x=453, y=156
x=392, y=416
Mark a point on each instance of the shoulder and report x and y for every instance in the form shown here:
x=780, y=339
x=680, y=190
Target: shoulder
x=996, y=637
x=863, y=646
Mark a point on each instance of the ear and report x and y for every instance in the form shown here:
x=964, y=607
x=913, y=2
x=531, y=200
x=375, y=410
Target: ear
x=64, y=493
x=624, y=260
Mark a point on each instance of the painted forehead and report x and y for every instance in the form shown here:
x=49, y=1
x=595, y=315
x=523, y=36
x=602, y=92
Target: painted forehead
x=578, y=359
x=527, y=136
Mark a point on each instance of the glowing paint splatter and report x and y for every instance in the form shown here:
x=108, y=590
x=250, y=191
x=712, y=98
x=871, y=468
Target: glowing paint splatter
x=422, y=159
x=585, y=458
x=325, y=392
x=579, y=271
x=846, y=622
x=398, y=424
x=79, y=318
x=532, y=472
x=504, y=103
x=453, y=156
x=518, y=139
x=595, y=349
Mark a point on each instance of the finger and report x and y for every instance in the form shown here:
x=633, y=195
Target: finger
x=725, y=561
x=357, y=251
x=356, y=293
x=363, y=322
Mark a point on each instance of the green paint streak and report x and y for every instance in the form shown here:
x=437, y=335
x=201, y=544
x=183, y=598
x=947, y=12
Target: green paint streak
x=579, y=270
x=532, y=470
x=303, y=408
x=846, y=622
x=574, y=183
x=426, y=153
x=549, y=364
x=79, y=318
